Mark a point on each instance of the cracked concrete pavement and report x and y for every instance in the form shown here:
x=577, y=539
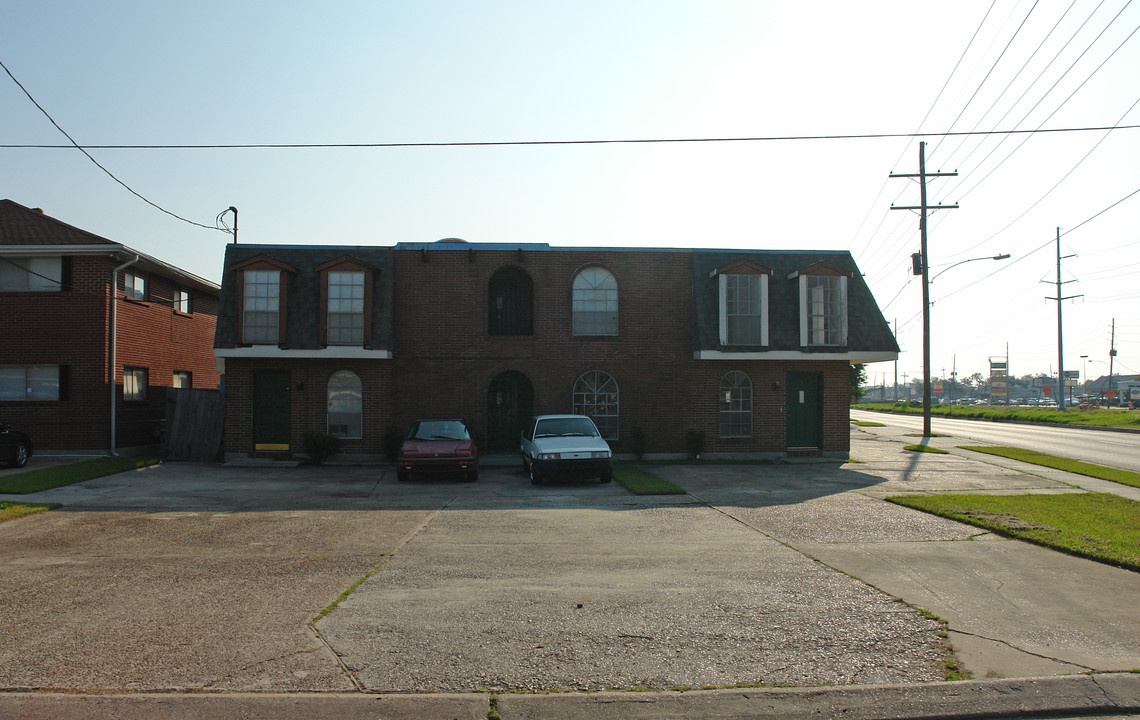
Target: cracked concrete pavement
x=197, y=577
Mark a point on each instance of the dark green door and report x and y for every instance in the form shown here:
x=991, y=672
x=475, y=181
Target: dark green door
x=270, y=410
x=510, y=401
x=805, y=410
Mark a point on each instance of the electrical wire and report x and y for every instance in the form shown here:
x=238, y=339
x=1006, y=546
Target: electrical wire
x=90, y=157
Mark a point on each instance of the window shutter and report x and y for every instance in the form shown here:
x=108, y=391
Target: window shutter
x=64, y=382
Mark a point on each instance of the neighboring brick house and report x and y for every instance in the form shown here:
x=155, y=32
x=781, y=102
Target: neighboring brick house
x=56, y=356
x=752, y=348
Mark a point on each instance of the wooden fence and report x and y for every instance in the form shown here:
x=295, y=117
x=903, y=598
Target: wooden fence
x=193, y=425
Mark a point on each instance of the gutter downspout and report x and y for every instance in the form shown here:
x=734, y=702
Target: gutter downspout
x=115, y=343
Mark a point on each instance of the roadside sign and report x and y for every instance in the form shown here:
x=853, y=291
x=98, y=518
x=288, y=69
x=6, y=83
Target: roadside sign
x=1048, y=390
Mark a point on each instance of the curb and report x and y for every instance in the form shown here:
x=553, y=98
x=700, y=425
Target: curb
x=1071, y=696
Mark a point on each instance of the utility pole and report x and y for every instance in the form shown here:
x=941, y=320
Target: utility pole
x=923, y=209
x=896, y=362
x=1111, y=353
x=1060, y=353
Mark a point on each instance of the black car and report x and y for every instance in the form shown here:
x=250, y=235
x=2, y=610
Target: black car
x=15, y=446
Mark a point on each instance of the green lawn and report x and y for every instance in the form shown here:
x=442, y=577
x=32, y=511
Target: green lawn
x=1098, y=526
x=640, y=481
x=12, y=510
x=1098, y=417
x=60, y=475
x=1124, y=477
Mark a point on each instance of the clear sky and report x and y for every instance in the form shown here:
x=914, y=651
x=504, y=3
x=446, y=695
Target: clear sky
x=210, y=73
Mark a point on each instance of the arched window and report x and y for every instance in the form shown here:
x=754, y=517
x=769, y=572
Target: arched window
x=510, y=299
x=596, y=395
x=595, y=302
x=735, y=405
x=345, y=400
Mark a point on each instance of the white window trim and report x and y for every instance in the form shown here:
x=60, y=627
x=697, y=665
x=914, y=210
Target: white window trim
x=722, y=287
x=804, y=334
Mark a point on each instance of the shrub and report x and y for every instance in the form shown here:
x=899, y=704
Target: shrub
x=695, y=443
x=320, y=446
x=637, y=442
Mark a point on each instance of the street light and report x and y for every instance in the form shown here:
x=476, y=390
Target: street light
x=1086, y=372
x=1004, y=256
x=920, y=268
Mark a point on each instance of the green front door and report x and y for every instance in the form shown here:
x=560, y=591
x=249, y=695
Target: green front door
x=805, y=410
x=270, y=410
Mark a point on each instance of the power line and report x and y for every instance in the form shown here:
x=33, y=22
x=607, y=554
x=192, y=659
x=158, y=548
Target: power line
x=81, y=149
x=510, y=143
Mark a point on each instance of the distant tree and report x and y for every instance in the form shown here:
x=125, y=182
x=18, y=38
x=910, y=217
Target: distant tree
x=858, y=380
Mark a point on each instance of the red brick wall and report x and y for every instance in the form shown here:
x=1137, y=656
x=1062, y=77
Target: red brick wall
x=444, y=360
x=73, y=328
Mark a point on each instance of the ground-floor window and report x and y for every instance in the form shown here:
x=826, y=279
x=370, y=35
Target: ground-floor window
x=30, y=382
x=596, y=395
x=735, y=405
x=134, y=383
x=345, y=402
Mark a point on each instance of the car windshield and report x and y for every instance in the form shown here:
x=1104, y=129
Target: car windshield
x=566, y=427
x=440, y=430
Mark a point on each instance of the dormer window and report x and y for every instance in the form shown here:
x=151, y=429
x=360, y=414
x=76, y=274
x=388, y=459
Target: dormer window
x=346, y=302
x=823, y=305
x=742, y=290
x=261, y=290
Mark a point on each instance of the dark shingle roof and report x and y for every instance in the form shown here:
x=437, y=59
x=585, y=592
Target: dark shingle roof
x=20, y=225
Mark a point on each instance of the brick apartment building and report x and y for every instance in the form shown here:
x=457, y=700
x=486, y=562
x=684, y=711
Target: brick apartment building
x=752, y=348
x=62, y=328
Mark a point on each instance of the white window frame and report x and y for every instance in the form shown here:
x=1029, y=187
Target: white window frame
x=134, y=286
x=816, y=328
x=31, y=274
x=594, y=303
x=183, y=379
x=736, y=404
x=182, y=300
x=345, y=396
x=596, y=395
x=261, y=298
x=723, y=281
x=29, y=383
x=134, y=384
x=345, y=307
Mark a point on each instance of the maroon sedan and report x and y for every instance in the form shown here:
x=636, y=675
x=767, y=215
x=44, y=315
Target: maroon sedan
x=435, y=447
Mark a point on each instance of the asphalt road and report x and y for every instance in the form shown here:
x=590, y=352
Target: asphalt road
x=1115, y=449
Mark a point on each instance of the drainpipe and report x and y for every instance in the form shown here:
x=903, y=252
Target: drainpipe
x=115, y=343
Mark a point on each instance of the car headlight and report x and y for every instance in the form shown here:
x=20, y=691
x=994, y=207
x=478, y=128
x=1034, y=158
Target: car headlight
x=601, y=454
x=549, y=456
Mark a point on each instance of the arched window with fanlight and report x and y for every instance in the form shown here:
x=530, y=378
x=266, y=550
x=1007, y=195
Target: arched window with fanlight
x=345, y=401
x=596, y=395
x=595, y=302
x=735, y=405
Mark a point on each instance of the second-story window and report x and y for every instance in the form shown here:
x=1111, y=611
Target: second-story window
x=33, y=274
x=182, y=300
x=595, y=302
x=346, y=308
x=510, y=303
x=826, y=309
x=134, y=285
x=261, y=304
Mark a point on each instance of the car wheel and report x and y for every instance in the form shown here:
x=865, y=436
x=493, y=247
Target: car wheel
x=402, y=476
x=526, y=465
x=535, y=478
x=472, y=475
x=607, y=477
x=20, y=457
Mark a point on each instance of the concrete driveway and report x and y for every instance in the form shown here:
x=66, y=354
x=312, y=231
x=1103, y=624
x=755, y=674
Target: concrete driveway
x=188, y=576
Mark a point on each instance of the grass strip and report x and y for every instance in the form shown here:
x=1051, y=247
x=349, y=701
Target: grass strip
x=1095, y=417
x=1116, y=475
x=13, y=510
x=867, y=423
x=925, y=448
x=1097, y=526
x=53, y=477
x=640, y=481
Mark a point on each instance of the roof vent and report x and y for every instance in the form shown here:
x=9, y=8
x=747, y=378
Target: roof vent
x=452, y=241
x=38, y=210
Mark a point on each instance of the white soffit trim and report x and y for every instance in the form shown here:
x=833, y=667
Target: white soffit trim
x=329, y=353
x=864, y=356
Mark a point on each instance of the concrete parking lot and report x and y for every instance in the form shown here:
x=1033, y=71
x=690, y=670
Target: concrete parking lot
x=204, y=578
